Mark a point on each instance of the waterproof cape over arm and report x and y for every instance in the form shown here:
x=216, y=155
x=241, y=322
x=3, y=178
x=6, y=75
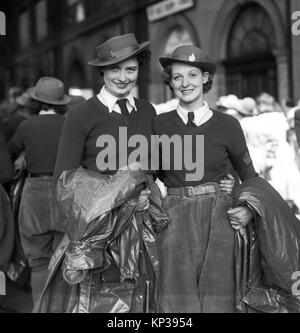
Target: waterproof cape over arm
x=273, y=249
x=120, y=238
x=86, y=198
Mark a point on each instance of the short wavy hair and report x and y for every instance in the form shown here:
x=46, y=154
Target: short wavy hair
x=167, y=76
x=35, y=107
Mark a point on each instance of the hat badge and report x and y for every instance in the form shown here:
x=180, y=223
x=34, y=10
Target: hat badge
x=113, y=55
x=192, y=57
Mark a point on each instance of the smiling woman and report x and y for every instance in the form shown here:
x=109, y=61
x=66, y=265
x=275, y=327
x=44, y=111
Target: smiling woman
x=121, y=78
x=202, y=224
x=80, y=149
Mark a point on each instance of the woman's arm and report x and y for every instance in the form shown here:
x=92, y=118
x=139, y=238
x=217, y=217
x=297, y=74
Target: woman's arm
x=241, y=160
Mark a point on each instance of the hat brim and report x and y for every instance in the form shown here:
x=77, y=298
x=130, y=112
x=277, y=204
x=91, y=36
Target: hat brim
x=98, y=63
x=206, y=66
x=64, y=101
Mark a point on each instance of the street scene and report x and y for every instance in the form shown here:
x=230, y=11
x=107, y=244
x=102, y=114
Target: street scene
x=149, y=157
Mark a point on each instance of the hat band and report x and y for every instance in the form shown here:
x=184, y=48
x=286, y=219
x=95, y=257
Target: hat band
x=118, y=54
x=57, y=98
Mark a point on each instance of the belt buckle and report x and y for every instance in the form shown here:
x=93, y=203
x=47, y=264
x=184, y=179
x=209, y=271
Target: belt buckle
x=189, y=191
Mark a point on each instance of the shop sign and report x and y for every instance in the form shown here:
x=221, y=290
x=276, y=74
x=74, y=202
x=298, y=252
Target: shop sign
x=166, y=8
x=2, y=23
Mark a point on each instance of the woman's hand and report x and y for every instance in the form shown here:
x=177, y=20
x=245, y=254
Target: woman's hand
x=143, y=200
x=240, y=217
x=227, y=183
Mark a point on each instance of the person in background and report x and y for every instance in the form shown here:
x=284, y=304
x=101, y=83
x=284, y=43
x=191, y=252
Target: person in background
x=41, y=226
x=17, y=115
x=279, y=166
x=7, y=229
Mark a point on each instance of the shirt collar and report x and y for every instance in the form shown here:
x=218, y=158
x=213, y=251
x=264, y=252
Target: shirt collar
x=45, y=112
x=110, y=101
x=201, y=115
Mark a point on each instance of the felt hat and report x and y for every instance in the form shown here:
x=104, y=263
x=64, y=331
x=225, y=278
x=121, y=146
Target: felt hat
x=190, y=55
x=247, y=106
x=49, y=90
x=117, y=49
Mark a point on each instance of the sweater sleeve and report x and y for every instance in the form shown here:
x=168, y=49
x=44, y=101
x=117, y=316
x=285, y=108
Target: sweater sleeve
x=239, y=154
x=71, y=144
x=6, y=168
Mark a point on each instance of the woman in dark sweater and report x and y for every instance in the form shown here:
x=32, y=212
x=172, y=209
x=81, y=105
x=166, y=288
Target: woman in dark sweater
x=41, y=225
x=197, y=248
x=114, y=108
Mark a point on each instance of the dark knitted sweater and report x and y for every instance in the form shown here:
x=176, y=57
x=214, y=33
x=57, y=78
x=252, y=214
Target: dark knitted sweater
x=39, y=137
x=224, y=142
x=90, y=121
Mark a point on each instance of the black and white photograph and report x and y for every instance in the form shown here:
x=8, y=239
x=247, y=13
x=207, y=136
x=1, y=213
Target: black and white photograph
x=149, y=159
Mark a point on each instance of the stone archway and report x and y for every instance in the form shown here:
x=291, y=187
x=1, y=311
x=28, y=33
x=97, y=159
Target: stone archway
x=228, y=15
x=250, y=67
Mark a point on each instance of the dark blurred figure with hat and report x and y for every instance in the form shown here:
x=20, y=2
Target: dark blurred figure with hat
x=41, y=226
x=7, y=230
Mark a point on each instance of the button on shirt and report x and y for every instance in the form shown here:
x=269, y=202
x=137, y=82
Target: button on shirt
x=110, y=101
x=201, y=115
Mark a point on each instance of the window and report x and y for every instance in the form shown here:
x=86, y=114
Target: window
x=24, y=29
x=41, y=20
x=179, y=36
x=250, y=65
x=76, y=10
x=251, y=33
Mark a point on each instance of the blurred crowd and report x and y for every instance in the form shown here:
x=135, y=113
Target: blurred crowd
x=269, y=129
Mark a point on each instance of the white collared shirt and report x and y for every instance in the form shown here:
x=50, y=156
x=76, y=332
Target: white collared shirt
x=45, y=112
x=110, y=101
x=201, y=115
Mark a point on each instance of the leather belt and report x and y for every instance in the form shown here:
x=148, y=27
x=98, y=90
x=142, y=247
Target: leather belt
x=40, y=175
x=190, y=191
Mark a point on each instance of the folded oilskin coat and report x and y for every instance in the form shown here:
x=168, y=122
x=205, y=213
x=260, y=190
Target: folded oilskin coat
x=268, y=253
x=108, y=258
